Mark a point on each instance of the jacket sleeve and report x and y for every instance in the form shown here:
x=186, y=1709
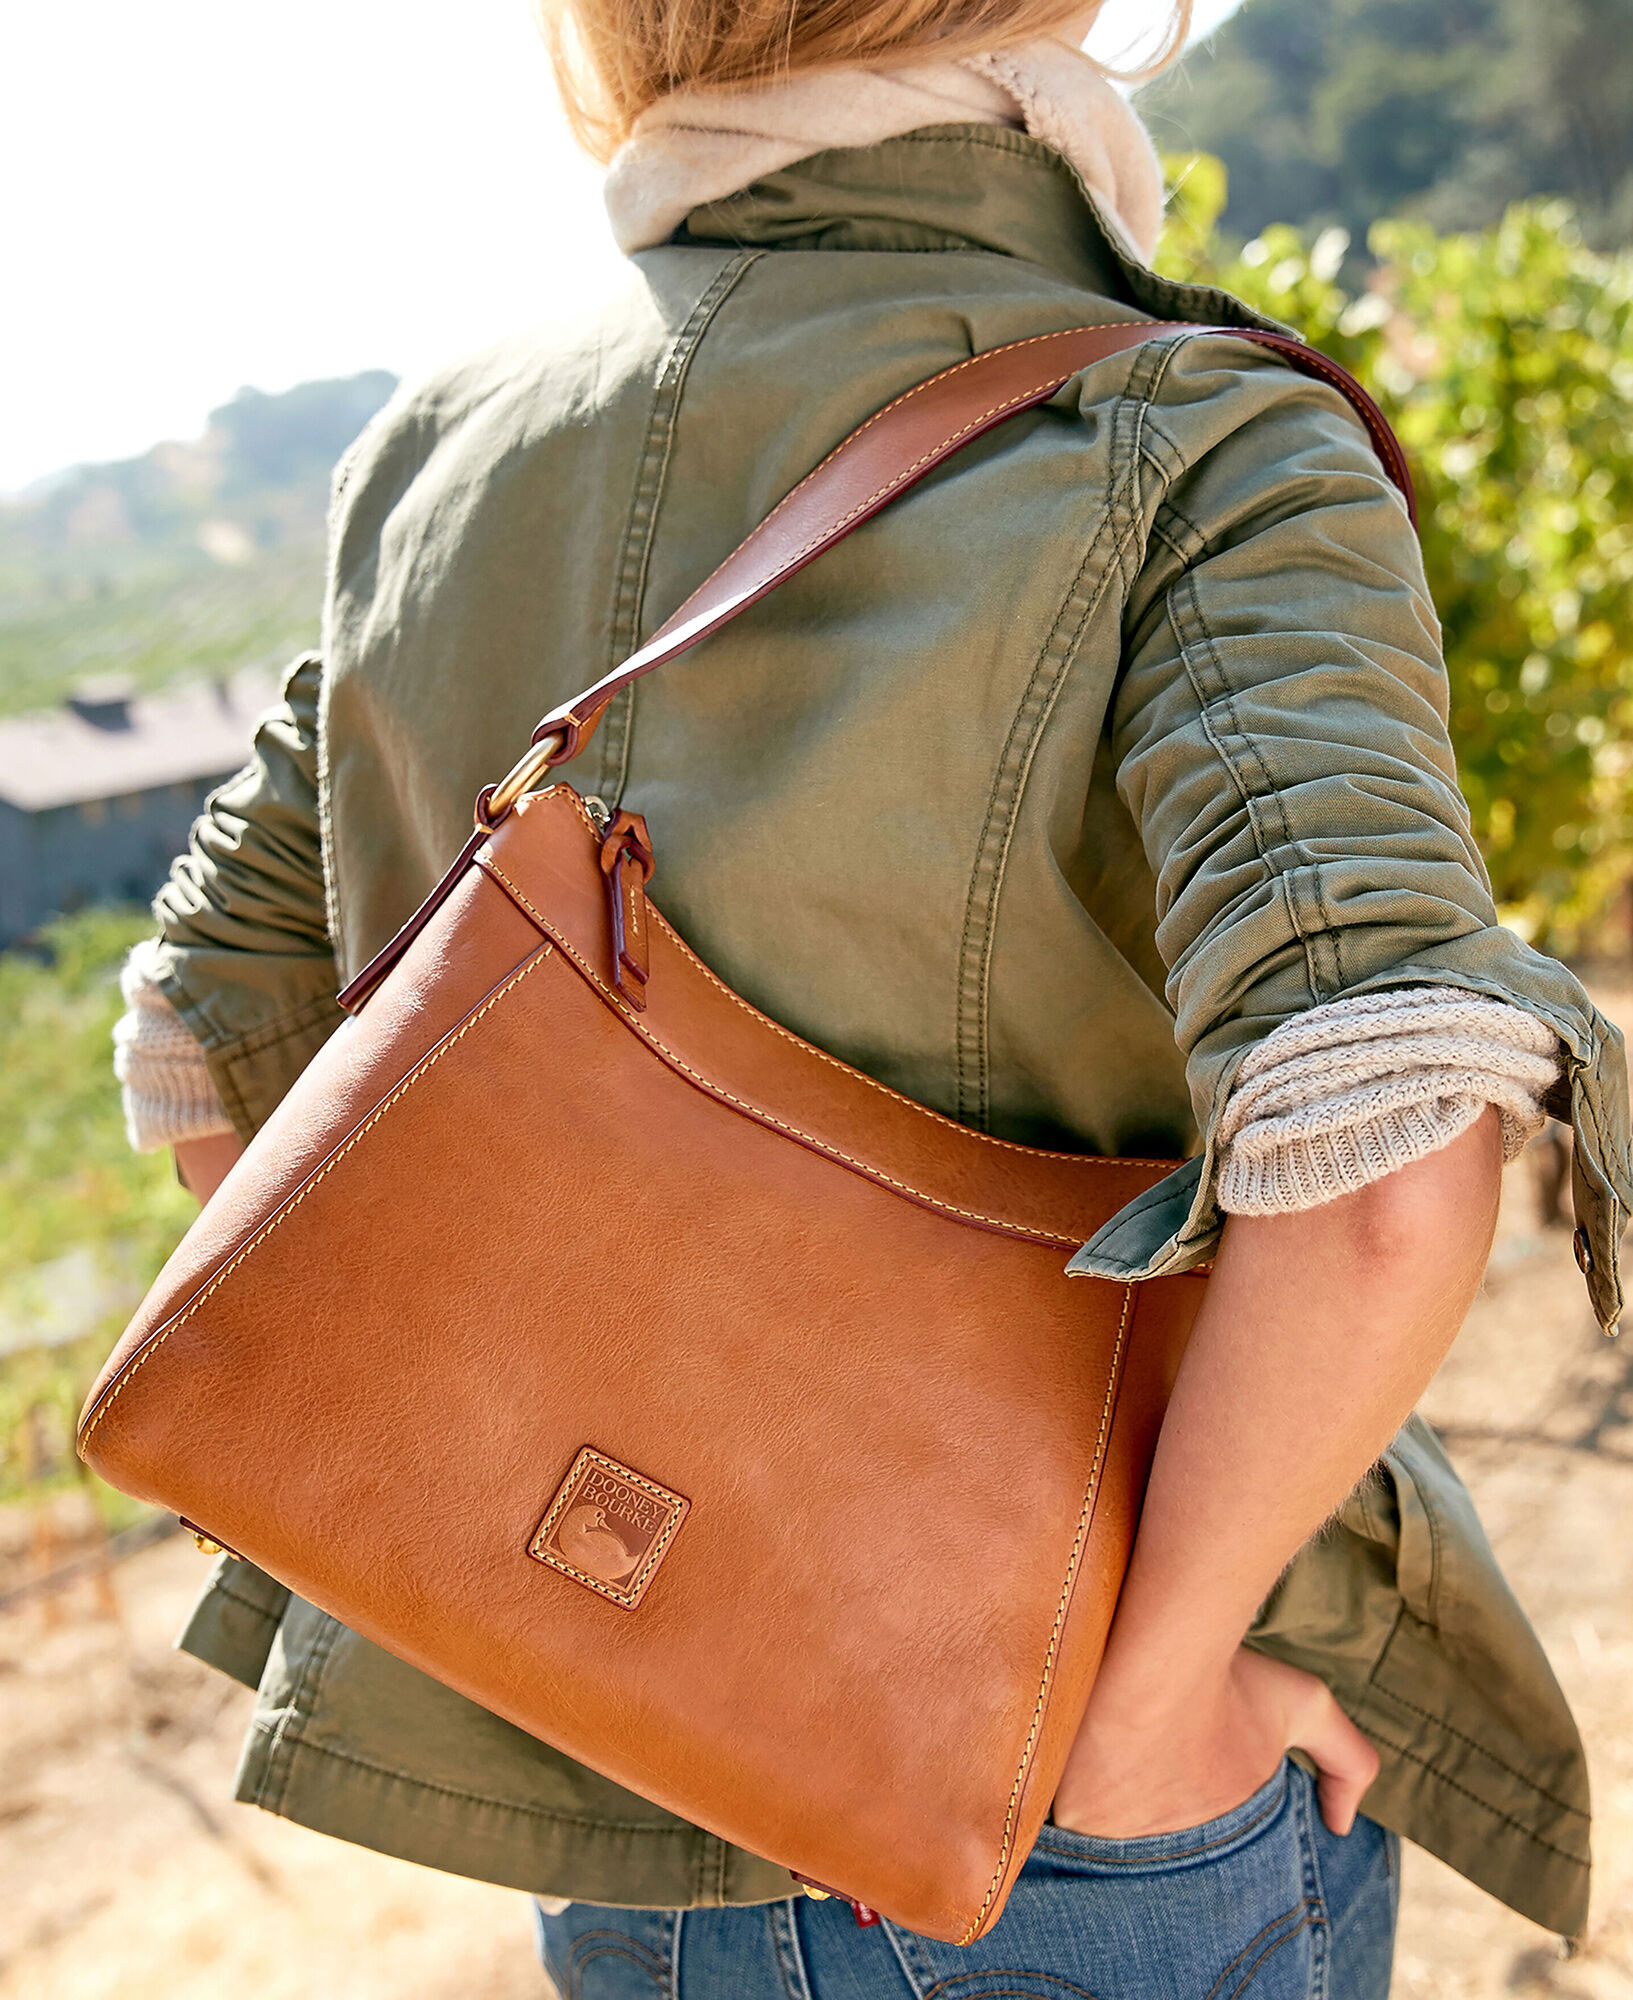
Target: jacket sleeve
x=1280, y=736
x=243, y=952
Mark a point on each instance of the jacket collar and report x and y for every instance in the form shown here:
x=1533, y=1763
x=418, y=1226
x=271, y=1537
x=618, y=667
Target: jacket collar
x=960, y=188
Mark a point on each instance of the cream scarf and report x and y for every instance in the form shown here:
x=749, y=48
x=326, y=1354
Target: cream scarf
x=698, y=146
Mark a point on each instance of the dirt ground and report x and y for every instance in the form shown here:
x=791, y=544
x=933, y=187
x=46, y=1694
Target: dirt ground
x=126, y=1873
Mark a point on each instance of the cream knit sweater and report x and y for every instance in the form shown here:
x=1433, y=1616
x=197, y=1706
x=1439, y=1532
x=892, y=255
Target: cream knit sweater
x=1328, y=1102
x=1331, y=1100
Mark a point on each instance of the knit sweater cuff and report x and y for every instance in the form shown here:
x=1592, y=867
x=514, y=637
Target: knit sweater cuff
x=169, y=1096
x=1339, y=1097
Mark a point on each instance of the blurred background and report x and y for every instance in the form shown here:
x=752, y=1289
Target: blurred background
x=230, y=232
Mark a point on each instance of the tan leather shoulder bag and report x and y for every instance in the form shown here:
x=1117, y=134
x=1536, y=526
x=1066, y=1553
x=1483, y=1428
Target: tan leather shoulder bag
x=657, y=1381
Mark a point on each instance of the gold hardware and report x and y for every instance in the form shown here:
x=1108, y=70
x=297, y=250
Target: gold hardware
x=523, y=776
x=817, y=1895
x=206, y=1547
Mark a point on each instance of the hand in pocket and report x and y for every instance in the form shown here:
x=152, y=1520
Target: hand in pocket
x=1165, y=1760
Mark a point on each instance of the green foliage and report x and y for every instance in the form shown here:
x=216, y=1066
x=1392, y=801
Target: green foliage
x=1506, y=360
x=84, y=1222
x=1446, y=110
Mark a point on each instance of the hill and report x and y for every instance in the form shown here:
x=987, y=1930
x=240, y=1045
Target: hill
x=1443, y=110
x=194, y=558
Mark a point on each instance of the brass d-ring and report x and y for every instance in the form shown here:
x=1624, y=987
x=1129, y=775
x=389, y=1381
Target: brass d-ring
x=522, y=776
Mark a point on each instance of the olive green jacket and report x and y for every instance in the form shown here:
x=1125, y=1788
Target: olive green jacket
x=1041, y=798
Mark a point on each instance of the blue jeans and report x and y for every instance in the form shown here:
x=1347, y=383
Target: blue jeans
x=1262, y=1901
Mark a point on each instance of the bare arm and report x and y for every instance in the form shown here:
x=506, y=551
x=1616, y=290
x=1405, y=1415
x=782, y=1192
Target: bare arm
x=203, y=1164
x=1319, y=1332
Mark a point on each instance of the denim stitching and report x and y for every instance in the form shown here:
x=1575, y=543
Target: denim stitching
x=782, y=1922
x=1257, y=1944
x=1270, y=1807
x=639, y=1955
x=907, y=1947
x=1314, y=1892
x=1317, y=1992
x=943, y=1988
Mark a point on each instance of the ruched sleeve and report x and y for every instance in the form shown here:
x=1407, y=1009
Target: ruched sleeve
x=243, y=952
x=1280, y=733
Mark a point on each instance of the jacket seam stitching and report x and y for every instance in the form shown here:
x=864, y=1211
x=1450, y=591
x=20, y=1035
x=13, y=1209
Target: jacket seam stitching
x=1013, y=402
x=992, y=848
x=977, y=939
x=1164, y=359
x=1474, y=1798
x=270, y=1034
x=645, y=505
x=1375, y=1687
x=484, y=1799
x=307, y=1684
x=248, y=1603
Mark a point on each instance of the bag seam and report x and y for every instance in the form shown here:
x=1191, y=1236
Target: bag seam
x=570, y=796
x=288, y=1207
x=717, y=1091
x=1084, y=1516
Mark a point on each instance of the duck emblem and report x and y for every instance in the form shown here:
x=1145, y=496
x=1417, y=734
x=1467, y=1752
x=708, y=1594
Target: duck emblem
x=585, y=1538
x=609, y=1527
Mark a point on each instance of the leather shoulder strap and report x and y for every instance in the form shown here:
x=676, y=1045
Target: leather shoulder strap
x=892, y=451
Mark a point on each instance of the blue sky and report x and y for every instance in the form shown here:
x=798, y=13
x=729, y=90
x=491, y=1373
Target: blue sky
x=205, y=193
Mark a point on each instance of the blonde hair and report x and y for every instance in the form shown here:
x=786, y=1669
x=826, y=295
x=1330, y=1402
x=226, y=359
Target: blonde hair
x=614, y=58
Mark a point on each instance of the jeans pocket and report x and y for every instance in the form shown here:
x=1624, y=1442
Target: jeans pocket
x=1188, y=1847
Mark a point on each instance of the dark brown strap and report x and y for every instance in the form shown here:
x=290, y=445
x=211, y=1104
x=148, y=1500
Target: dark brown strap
x=896, y=448
x=892, y=451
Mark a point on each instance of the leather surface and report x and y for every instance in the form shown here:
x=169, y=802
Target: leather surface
x=506, y=1216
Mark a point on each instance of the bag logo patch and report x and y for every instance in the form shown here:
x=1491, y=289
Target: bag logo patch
x=609, y=1527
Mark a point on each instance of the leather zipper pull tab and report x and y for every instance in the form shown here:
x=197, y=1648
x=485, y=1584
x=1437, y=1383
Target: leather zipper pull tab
x=626, y=863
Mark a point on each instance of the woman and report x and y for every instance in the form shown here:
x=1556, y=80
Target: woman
x=1097, y=794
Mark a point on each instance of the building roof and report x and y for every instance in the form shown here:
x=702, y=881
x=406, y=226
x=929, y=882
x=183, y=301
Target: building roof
x=104, y=742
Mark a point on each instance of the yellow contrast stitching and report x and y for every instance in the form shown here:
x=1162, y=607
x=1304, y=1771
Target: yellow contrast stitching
x=290, y=1206
x=654, y=1556
x=1060, y=1616
x=758, y=1111
x=821, y=1055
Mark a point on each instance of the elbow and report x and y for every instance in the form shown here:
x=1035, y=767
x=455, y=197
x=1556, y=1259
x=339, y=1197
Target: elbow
x=1429, y=1224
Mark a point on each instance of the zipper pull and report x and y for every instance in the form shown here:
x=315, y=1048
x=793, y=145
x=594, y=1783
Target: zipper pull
x=626, y=863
